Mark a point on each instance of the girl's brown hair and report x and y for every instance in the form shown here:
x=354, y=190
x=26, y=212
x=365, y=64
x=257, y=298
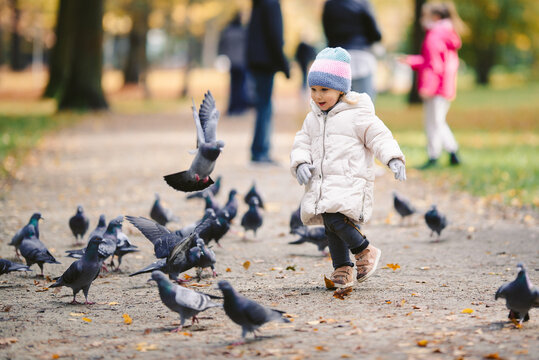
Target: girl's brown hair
x=447, y=10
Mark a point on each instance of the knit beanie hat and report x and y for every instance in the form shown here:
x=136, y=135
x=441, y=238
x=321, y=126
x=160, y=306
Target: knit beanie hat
x=331, y=69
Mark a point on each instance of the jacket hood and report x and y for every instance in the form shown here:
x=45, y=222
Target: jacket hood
x=352, y=96
x=445, y=31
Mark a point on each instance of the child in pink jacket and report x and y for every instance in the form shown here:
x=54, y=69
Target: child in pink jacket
x=436, y=68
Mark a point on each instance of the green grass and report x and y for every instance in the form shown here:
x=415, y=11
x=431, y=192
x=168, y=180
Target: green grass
x=497, y=130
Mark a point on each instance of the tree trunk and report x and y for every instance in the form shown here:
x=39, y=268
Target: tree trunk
x=15, y=58
x=136, y=60
x=83, y=84
x=417, y=38
x=485, y=62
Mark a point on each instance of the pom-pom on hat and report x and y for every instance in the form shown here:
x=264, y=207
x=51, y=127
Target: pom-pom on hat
x=331, y=69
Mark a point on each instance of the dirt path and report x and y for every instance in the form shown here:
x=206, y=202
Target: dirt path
x=114, y=164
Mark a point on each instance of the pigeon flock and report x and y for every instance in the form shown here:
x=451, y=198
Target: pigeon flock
x=190, y=247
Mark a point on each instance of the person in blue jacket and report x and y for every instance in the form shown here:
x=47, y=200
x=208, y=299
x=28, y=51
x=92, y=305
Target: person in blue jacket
x=265, y=57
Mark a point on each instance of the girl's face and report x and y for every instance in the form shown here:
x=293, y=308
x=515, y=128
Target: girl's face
x=428, y=19
x=325, y=97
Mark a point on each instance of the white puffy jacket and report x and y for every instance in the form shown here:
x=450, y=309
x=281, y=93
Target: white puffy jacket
x=341, y=145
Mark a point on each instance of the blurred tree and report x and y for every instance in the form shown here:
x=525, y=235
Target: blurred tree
x=76, y=61
x=417, y=39
x=136, y=65
x=15, y=56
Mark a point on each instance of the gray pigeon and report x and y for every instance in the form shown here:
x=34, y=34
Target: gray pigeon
x=520, y=296
x=81, y=273
x=207, y=258
x=214, y=189
x=197, y=177
x=252, y=219
x=435, y=220
x=186, y=302
x=7, y=266
x=123, y=247
x=100, y=228
x=34, y=251
x=79, y=224
x=295, y=220
x=245, y=312
x=253, y=193
x=231, y=206
x=211, y=203
x=163, y=239
x=19, y=235
x=314, y=235
x=402, y=206
x=161, y=215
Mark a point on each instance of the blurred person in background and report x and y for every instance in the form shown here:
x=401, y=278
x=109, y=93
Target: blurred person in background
x=305, y=54
x=351, y=24
x=232, y=45
x=436, y=68
x=265, y=57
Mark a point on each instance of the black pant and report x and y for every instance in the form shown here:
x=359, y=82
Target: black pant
x=343, y=236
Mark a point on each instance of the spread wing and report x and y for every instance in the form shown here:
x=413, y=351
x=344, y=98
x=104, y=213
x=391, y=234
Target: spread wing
x=209, y=117
x=198, y=125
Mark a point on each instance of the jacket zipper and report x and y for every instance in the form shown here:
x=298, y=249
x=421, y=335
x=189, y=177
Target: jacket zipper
x=321, y=164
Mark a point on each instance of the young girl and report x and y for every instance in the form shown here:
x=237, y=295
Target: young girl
x=333, y=155
x=436, y=68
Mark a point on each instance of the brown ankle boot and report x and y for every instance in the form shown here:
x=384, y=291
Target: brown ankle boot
x=343, y=276
x=366, y=262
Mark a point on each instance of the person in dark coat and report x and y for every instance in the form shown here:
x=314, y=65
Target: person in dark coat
x=351, y=24
x=232, y=44
x=305, y=54
x=265, y=57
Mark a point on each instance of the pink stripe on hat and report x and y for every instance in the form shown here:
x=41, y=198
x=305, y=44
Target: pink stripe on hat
x=334, y=67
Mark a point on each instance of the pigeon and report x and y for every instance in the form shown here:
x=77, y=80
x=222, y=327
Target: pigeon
x=436, y=221
x=403, y=206
x=295, y=221
x=211, y=203
x=520, y=296
x=197, y=177
x=123, y=246
x=315, y=235
x=186, y=302
x=161, y=215
x=231, y=206
x=187, y=230
x=80, y=274
x=207, y=259
x=19, y=235
x=214, y=189
x=252, y=219
x=217, y=228
x=245, y=312
x=100, y=228
x=253, y=193
x=34, y=251
x=79, y=223
x=163, y=239
x=7, y=266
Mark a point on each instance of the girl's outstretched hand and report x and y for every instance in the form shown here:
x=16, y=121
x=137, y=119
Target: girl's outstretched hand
x=398, y=168
x=304, y=173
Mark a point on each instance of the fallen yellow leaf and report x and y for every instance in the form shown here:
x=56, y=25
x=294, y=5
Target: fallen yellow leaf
x=342, y=293
x=329, y=284
x=77, y=314
x=55, y=356
x=87, y=319
x=393, y=266
x=321, y=348
x=185, y=333
x=246, y=265
x=127, y=319
x=113, y=303
x=187, y=277
x=228, y=270
x=467, y=311
x=143, y=347
x=492, y=356
x=422, y=343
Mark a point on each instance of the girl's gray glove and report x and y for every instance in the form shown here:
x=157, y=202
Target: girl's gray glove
x=397, y=166
x=304, y=173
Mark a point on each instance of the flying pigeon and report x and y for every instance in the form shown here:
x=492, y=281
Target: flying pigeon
x=214, y=189
x=245, y=312
x=403, y=206
x=7, y=266
x=253, y=193
x=197, y=177
x=520, y=296
x=186, y=302
x=252, y=219
x=34, y=251
x=435, y=220
x=79, y=223
x=161, y=215
x=295, y=220
x=19, y=235
x=315, y=235
x=81, y=273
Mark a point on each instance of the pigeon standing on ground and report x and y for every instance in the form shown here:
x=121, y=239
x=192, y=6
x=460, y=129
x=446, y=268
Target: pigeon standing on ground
x=252, y=219
x=80, y=274
x=214, y=189
x=314, y=235
x=231, y=206
x=520, y=296
x=100, y=228
x=245, y=312
x=253, y=193
x=34, y=251
x=216, y=229
x=123, y=246
x=295, y=221
x=207, y=259
x=186, y=302
x=79, y=223
x=7, y=266
x=161, y=215
x=19, y=235
x=435, y=220
x=402, y=206
x=211, y=203
x=197, y=177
